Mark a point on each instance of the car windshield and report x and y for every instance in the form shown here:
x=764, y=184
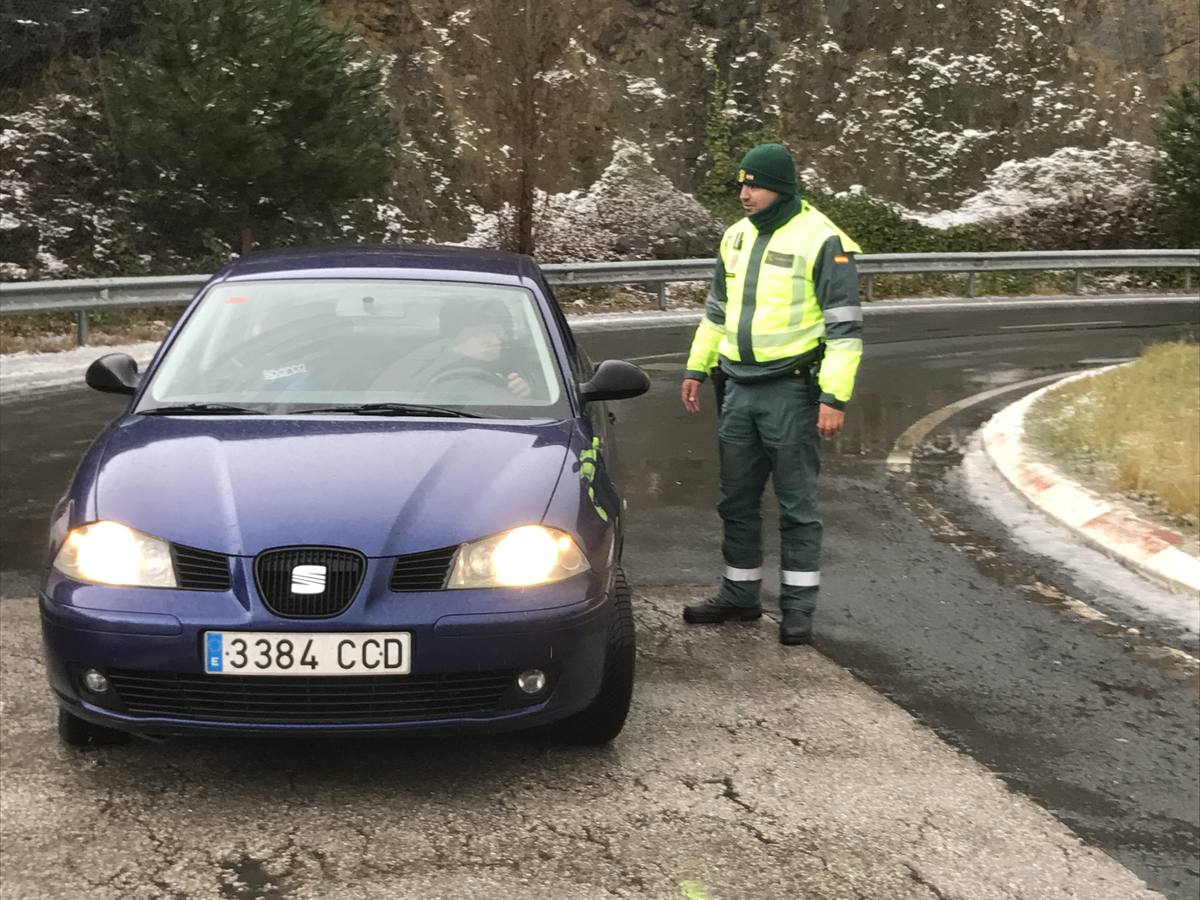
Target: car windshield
x=372, y=347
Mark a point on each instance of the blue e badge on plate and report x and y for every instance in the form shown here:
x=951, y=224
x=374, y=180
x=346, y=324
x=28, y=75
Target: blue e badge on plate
x=214, y=660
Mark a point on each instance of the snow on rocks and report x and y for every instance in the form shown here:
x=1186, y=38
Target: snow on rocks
x=632, y=211
x=1118, y=168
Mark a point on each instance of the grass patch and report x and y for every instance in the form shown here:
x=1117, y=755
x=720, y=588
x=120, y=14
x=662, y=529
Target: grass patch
x=48, y=332
x=1135, y=429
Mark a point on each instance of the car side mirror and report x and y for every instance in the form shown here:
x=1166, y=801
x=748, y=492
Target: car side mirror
x=615, y=379
x=115, y=373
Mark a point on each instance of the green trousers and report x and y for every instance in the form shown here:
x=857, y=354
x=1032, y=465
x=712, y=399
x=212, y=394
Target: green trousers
x=769, y=429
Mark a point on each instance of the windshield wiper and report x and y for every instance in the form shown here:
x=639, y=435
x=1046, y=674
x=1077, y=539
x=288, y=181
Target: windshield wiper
x=392, y=409
x=200, y=409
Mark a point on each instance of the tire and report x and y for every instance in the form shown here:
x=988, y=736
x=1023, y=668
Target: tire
x=76, y=732
x=602, y=719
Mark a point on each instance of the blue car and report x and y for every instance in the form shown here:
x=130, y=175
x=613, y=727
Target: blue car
x=356, y=490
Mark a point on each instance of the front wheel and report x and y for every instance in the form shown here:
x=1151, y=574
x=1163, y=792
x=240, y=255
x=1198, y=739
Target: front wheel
x=76, y=732
x=602, y=719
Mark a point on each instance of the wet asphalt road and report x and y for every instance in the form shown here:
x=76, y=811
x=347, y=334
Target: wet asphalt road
x=1099, y=731
x=952, y=621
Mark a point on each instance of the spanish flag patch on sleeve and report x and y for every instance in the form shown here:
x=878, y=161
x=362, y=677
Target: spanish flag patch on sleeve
x=841, y=258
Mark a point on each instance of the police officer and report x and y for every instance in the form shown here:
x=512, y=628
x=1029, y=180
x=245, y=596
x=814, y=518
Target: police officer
x=783, y=324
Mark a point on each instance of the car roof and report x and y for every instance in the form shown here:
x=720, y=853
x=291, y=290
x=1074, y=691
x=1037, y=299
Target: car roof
x=332, y=260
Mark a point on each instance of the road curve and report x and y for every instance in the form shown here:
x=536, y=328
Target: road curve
x=925, y=597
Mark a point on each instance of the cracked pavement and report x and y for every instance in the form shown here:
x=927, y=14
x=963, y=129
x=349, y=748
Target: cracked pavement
x=746, y=769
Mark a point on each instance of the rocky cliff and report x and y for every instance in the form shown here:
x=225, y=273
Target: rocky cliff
x=921, y=103
x=917, y=101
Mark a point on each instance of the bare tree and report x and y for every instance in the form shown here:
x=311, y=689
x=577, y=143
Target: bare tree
x=526, y=42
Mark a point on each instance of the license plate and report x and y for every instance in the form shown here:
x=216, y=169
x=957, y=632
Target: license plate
x=300, y=653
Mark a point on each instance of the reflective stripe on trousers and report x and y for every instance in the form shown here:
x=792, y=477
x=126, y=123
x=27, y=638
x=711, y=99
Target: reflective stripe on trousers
x=800, y=579
x=735, y=574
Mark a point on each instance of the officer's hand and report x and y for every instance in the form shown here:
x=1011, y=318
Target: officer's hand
x=829, y=421
x=689, y=393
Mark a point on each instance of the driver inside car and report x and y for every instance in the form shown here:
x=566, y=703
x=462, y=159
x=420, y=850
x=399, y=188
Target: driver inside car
x=468, y=362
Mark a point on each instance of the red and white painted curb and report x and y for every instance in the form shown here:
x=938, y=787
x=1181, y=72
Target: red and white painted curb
x=1151, y=549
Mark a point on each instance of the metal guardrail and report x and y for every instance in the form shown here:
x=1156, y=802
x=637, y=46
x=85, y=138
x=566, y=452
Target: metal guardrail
x=872, y=264
x=84, y=296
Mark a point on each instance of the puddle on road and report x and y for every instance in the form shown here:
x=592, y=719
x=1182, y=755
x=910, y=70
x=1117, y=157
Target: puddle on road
x=251, y=881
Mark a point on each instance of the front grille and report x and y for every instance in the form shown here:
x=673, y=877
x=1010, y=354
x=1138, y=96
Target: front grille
x=422, y=571
x=310, y=699
x=274, y=576
x=200, y=570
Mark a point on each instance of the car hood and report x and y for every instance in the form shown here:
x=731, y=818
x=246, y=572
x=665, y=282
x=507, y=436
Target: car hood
x=382, y=486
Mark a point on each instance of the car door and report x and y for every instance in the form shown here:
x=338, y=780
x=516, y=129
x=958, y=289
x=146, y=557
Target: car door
x=596, y=419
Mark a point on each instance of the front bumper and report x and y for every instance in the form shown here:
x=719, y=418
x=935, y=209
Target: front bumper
x=467, y=648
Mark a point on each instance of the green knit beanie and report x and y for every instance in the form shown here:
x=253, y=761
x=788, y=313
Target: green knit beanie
x=769, y=166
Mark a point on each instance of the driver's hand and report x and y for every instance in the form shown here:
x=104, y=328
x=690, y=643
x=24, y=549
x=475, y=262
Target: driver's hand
x=518, y=386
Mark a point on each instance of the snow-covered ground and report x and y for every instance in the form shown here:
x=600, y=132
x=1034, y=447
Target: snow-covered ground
x=22, y=373
x=1114, y=587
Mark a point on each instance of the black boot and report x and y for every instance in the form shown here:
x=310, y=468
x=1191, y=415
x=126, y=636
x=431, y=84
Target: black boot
x=796, y=627
x=710, y=613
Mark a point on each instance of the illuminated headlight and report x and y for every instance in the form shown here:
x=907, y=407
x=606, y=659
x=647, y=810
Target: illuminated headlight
x=525, y=556
x=112, y=553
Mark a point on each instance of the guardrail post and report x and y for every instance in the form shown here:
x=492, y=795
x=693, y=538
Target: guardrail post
x=1078, y=281
x=1187, y=281
x=870, y=287
x=662, y=295
x=970, y=284
x=81, y=328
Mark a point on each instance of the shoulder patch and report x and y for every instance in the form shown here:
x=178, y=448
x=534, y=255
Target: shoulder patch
x=840, y=258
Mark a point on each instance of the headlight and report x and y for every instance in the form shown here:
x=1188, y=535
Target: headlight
x=529, y=555
x=112, y=553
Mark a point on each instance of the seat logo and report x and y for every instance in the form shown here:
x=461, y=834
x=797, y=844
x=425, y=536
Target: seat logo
x=308, y=579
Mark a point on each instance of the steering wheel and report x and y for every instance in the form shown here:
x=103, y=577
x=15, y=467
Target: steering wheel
x=467, y=374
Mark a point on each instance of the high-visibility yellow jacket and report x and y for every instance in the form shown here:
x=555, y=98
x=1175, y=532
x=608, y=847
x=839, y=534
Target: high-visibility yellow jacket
x=777, y=298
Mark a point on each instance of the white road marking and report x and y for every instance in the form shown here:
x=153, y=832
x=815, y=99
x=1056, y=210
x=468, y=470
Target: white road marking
x=899, y=461
x=1050, y=326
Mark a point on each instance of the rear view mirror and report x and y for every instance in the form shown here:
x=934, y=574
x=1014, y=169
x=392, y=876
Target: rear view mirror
x=115, y=373
x=615, y=379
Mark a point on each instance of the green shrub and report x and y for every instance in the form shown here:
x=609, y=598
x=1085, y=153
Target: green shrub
x=1177, y=176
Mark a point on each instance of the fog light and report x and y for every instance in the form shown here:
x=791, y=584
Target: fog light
x=532, y=681
x=95, y=681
